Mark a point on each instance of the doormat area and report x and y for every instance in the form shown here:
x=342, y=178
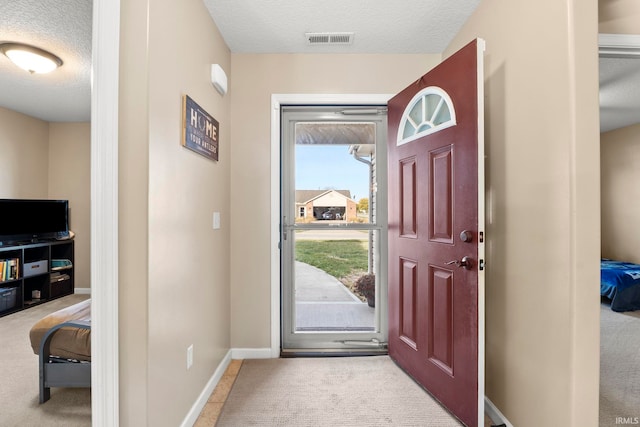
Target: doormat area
x=336, y=391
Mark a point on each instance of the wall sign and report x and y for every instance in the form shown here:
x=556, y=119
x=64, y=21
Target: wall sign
x=199, y=129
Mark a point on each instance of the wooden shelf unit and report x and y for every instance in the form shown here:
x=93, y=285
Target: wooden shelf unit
x=49, y=283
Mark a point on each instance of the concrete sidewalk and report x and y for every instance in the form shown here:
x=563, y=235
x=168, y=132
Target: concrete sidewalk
x=323, y=303
x=314, y=285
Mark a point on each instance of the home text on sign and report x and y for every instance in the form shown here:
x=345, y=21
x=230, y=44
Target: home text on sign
x=200, y=130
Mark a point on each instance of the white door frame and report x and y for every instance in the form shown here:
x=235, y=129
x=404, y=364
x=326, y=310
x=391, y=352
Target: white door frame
x=277, y=100
x=104, y=213
x=344, y=340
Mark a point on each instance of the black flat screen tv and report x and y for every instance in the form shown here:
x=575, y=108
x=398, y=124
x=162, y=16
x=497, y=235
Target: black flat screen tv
x=30, y=220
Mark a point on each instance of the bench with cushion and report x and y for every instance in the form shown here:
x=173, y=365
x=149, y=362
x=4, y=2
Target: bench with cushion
x=63, y=342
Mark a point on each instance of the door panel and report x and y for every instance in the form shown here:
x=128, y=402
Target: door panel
x=408, y=291
x=408, y=198
x=435, y=233
x=440, y=313
x=441, y=186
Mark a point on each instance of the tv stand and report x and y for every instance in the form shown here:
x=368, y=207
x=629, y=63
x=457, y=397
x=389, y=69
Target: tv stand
x=37, y=272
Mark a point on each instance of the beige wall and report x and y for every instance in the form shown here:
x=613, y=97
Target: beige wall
x=619, y=16
x=542, y=146
x=174, y=268
x=24, y=158
x=254, y=79
x=620, y=173
x=42, y=160
x=70, y=178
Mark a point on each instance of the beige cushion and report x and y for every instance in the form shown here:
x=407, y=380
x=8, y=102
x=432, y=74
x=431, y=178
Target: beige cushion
x=67, y=342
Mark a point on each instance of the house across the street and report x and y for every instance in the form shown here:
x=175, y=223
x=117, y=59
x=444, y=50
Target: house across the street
x=325, y=205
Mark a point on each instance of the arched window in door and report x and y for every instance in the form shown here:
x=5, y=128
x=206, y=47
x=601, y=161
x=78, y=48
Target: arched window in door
x=430, y=111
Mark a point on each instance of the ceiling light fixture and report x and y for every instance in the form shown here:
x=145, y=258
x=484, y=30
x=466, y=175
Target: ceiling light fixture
x=30, y=58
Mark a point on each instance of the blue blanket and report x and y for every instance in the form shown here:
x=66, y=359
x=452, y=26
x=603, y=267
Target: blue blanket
x=620, y=282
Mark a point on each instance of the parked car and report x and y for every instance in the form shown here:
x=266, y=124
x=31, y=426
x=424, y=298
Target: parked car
x=328, y=215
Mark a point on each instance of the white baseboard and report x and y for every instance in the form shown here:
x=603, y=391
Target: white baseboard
x=199, y=404
x=234, y=353
x=82, y=291
x=251, y=353
x=494, y=413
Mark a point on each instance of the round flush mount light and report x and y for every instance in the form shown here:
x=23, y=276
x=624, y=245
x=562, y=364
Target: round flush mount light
x=30, y=58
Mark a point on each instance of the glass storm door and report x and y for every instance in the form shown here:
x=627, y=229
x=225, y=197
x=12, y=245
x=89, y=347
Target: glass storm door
x=333, y=229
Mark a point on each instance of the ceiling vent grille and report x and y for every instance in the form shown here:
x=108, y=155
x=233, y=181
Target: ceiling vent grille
x=316, y=39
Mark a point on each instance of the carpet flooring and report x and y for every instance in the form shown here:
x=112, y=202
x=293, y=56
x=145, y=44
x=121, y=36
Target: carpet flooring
x=68, y=407
x=619, y=367
x=339, y=391
x=370, y=391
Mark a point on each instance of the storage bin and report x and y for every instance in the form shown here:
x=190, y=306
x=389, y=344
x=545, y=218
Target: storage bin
x=35, y=267
x=59, y=288
x=7, y=298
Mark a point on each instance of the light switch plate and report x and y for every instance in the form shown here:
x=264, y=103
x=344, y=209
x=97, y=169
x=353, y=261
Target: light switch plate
x=190, y=356
x=216, y=220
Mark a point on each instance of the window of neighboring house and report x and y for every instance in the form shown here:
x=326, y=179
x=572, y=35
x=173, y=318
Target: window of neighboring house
x=430, y=111
x=302, y=211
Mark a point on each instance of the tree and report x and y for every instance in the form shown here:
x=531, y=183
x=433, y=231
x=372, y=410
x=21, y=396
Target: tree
x=363, y=205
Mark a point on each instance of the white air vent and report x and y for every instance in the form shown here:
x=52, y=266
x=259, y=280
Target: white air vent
x=329, y=38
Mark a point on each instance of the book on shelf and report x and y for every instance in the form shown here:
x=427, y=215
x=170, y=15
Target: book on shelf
x=9, y=269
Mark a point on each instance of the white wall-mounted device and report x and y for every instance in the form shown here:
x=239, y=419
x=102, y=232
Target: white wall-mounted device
x=219, y=78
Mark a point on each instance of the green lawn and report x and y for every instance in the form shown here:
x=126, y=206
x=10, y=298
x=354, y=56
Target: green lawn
x=339, y=258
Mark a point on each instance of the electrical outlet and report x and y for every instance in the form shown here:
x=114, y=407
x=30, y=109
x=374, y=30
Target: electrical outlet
x=189, y=356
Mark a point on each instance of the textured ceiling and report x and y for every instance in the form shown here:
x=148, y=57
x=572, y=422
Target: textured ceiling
x=380, y=26
x=63, y=27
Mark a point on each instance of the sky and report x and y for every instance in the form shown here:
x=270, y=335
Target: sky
x=324, y=167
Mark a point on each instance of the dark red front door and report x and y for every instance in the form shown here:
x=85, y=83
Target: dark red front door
x=436, y=232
